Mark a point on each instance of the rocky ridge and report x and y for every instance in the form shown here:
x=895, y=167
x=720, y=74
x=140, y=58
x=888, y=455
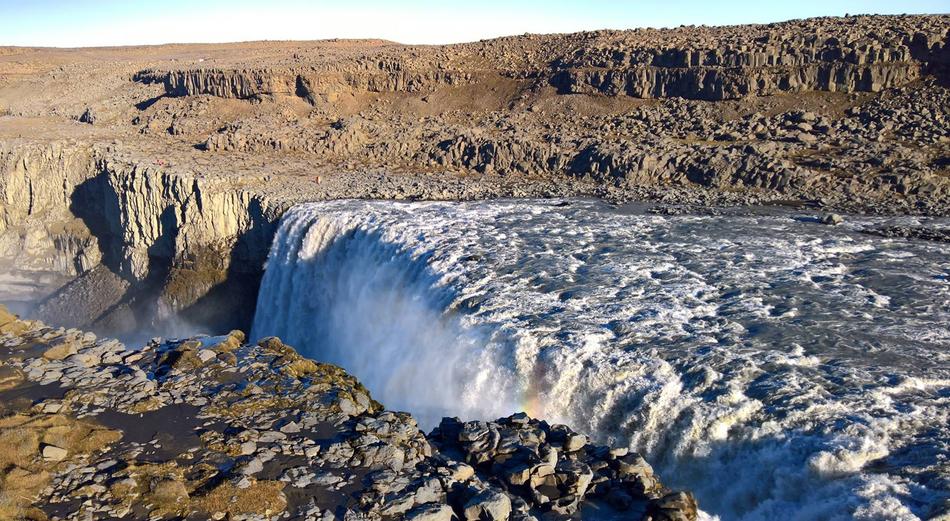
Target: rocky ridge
x=830, y=54
x=212, y=427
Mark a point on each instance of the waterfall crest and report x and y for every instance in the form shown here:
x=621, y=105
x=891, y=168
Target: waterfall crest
x=341, y=290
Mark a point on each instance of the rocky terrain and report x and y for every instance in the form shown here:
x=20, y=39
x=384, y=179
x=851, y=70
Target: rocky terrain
x=213, y=428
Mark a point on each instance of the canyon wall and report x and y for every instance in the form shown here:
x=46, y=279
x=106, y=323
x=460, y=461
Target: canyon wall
x=308, y=84
x=159, y=173
x=765, y=60
x=167, y=240
x=38, y=230
x=852, y=54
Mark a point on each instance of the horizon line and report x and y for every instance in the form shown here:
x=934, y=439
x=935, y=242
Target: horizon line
x=461, y=42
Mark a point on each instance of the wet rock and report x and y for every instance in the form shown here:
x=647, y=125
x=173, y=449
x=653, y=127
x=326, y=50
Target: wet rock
x=677, y=506
x=832, y=219
x=575, y=442
x=633, y=469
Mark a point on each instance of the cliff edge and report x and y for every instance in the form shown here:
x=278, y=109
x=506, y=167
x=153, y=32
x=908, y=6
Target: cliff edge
x=212, y=427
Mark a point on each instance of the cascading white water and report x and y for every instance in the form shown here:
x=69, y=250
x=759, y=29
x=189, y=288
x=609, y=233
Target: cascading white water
x=780, y=369
x=344, y=292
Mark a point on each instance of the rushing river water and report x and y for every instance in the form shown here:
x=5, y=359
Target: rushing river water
x=778, y=368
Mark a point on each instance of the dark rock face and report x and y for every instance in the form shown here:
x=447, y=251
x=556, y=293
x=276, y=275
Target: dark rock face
x=310, y=85
x=713, y=84
x=551, y=468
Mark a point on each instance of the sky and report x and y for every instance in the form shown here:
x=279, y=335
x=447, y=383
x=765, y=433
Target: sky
x=83, y=23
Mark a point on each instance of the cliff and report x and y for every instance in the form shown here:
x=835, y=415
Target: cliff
x=38, y=230
x=860, y=54
x=216, y=428
x=310, y=85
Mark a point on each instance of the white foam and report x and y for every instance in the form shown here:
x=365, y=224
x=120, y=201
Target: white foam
x=779, y=369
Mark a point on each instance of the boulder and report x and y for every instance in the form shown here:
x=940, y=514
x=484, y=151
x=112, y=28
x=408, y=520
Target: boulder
x=61, y=350
x=431, y=512
x=54, y=453
x=832, y=219
x=488, y=505
x=575, y=442
x=676, y=506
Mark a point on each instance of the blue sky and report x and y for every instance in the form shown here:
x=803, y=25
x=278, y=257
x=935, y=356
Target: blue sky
x=116, y=22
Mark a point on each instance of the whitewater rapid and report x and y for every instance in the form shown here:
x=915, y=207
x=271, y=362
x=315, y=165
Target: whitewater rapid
x=778, y=368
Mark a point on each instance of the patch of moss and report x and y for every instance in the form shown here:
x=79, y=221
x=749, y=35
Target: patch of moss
x=231, y=343
x=250, y=405
x=147, y=405
x=299, y=368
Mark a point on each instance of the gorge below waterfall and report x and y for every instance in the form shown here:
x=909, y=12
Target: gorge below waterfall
x=804, y=365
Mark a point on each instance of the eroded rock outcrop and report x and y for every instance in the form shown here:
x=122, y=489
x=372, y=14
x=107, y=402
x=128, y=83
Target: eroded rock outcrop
x=311, y=84
x=38, y=228
x=831, y=54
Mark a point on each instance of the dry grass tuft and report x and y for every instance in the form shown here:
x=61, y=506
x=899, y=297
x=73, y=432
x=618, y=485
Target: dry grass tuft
x=18, y=446
x=165, y=487
x=23, y=473
x=262, y=497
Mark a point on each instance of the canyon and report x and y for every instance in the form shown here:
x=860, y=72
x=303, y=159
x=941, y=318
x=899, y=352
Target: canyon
x=158, y=173
x=141, y=188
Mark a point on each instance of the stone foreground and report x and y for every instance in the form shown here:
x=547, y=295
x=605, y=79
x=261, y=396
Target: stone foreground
x=212, y=427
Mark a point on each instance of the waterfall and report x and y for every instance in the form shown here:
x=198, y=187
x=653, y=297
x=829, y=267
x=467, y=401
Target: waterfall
x=778, y=369
x=340, y=290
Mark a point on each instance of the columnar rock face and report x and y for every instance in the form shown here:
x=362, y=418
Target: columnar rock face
x=38, y=228
x=836, y=55
x=68, y=208
x=861, y=54
x=158, y=214
x=307, y=84
x=718, y=83
x=254, y=431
